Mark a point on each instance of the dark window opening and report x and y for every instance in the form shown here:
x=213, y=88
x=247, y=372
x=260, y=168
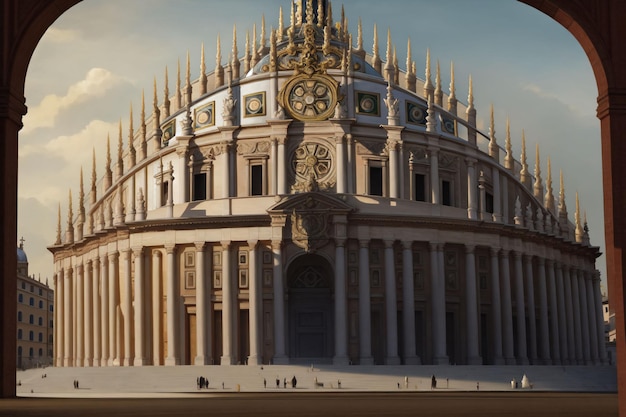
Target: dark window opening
x=489, y=203
x=376, y=181
x=165, y=186
x=199, y=187
x=256, y=180
x=419, y=187
x=446, y=193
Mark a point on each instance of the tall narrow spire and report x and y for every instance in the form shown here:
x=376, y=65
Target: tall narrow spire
x=203, y=77
x=273, y=49
x=69, y=233
x=188, y=90
x=329, y=15
x=120, y=150
x=132, y=155
x=562, y=204
x=524, y=174
x=219, y=70
x=320, y=13
x=410, y=77
x=253, y=55
x=376, y=63
x=166, y=96
x=292, y=17
x=494, y=149
x=57, y=241
x=246, y=54
x=452, y=101
x=108, y=175
x=509, y=161
x=538, y=186
x=438, y=90
x=396, y=68
x=428, y=84
x=94, y=177
x=81, y=198
x=359, y=40
x=156, y=120
x=179, y=97
x=235, y=56
x=143, y=145
x=470, y=112
x=579, y=226
x=281, y=24
x=549, y=197
x=389, y=58
x=263, y=40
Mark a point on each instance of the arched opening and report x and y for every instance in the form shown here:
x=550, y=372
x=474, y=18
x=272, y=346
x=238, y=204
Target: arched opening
x=310, y=282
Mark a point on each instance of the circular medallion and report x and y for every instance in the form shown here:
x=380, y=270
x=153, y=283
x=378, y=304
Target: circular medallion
x=312, y=160
x=254, y=105
x=367, y=104
x=204, y=117
x=310, y=98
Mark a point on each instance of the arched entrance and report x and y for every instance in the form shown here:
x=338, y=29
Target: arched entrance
x=310, y=283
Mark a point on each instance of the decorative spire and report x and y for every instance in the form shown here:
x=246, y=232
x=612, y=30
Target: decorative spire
x=235, y=56
x=329, y=15
x=410, y=75
x=219, y=70
x=562, y=205
x=273, y=51
x=179, y=97
x=69, y=233
x=452, y=101
x=523, y=174
x=549, y=198
x=108, y=177
x=494, y=149
x=94, y=177
x=391, y=102
x=320, y=13
x=438, y=90
x=389, y=58
x=281, y=24
x=509, y=161
x=188, y=90
x=585, y=229
x=310, y=14
x=254, y=56
x=538, y=186
x=81, y=198
x=246, y=54
x=120, y=149
x=396, y=68
x=579, y=227
x=343, y=23
x=376, y=63
x=143, y=146
x=431, y=120
x=132, y=155
x=263, y=42
x=58, y=238
x=292, y=17
x=428, y=84
x=156, y=118
x=359, y=40
x=203, y=77
x=166, y=96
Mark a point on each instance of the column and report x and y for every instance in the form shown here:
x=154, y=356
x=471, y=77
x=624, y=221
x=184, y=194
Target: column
x=471, y=302
x=127, y=308
x=88, y=320
x=408, y=305
x=79, y=314
x=438, y=304
x=74, y=321
x=560, y=300
x=584, y=317
x=520, y=309
x=577, y=319
x=104, y=308
x=226, y=170
x=391, y=306
x=67, y=318
x=59, y=290
x=341, y=309
x=543, y=313
x=569, y=313
x=97, y=327
x=434, y=174
x=365, y=328
x=599, y=319
x=157, y=308
x=273, y=158
x=341, y=165
x=497, y=196
x=140, y=316
x=201, y=306
x=113, y=301
x=472, y=185
x=282, y=173
x=554, y=316
x=402, y=167
x=591, y=318
x=530, y=298
x=279, y=305
x=256, y=305
x=172, y=295
x=392, y=146
x=351, y=163
x=227, y=306
x=507, y=309
x=496, y=309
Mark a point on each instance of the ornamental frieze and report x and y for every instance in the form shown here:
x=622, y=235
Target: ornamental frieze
x=254, y=148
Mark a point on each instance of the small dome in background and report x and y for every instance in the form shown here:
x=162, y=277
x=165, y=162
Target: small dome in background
x=21, y=255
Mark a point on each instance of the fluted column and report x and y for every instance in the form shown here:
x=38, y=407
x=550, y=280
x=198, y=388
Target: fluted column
x=497, y=196
x=507, y=309
x=104, y=308
x=226, y=170
x=256, y=305
x=140, y=316
x=543, y=313
x=97, y=324
x=584, y=317
x=341, y=164
x=341, y=309
x=554, y=317
x=59, y=290
x=88, y=319
x=530, y=302
x=560, y=295
x=438, y=304
x=392, y=146
x=80, y=318
x=578, y=337
x=172, y=305
x=600, y=319
x=350, y=164
x=408, y=305
x=434, y=175
x=274, y=161
x=569, y=313
x=391, y=306
x=591, y=318
x=227, y=306
x=472, y=186
x=67, y=318
x=282, y=172
x=127, y=307
x=201, y=306
x=520, y=310
x=365, y=329
x=471, y=302
x=157, y=308
x=113, y=301
x=496, y=307
x=279, y=305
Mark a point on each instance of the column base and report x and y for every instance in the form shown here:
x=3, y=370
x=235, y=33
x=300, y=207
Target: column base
x=510, y=361
x=341, y=360
x=200, y=360
x=79, y=362
x=96, y=363
x=443, y=360
x=226, y=360
x=139, y=362
x=366, y=361
x=254, y=360
x=172, y=361
x=477, y=360
x=523, y=361
x=127, y=362
x=280, y=360
x=498, y=361
x=88, y=362
x=412, y=360
x=392, y=360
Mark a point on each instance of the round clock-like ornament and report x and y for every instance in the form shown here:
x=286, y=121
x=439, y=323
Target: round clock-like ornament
x=310, y=98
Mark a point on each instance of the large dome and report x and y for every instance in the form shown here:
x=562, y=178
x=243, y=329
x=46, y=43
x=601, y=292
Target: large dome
x=21, y=256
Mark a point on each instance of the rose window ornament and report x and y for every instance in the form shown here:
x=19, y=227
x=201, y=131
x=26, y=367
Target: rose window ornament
x=312, y=160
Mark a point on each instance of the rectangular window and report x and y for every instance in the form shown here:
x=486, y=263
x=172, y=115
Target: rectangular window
x=164, y=192
x=199, y=187
x=489, y=203
x=446, y=193
x=256, y=180
x=376, y=180
x=419, y=187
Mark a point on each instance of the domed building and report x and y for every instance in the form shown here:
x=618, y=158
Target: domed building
x=307, y=202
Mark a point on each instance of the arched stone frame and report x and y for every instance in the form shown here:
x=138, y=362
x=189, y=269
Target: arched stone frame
x=596, y=24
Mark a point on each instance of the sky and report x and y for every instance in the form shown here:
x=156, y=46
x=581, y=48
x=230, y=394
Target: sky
x=96, y=59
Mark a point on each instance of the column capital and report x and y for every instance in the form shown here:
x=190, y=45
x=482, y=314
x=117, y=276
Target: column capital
x=125, y=253
x=388, y=243
x=470, y=161
x=113, y=255
x=517, y=254
x=225, y=244
x=79, y=268
x=170, y=248
x=364, y=243
x=253, y=243
x=504, y=252
x=541, y=261
x=157, y=254
x=433, y=150
x=339, y=139
x=527, y=257
x=137, y=251
x=277, y=244
x=469, y=248
x=89, y=265
x=494, y=250
x=550, y=262
x=199, y=246
x=435, y=246
x=407, y=244
x=340, y=242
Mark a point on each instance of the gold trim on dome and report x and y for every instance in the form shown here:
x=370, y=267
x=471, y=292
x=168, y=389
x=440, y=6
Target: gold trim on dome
x=310, y=97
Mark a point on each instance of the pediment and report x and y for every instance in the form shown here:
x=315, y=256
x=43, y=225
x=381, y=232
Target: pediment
x=315, y=201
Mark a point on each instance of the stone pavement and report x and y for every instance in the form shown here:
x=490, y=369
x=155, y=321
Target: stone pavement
x=177, y=381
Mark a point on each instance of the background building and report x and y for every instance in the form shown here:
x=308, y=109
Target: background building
x=311, y=202
x=35, y=307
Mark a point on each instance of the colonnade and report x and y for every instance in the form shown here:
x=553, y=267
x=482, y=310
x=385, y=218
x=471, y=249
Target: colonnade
x=103, y=304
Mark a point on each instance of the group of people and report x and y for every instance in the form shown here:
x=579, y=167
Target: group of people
x=202, y=382
x=76, y=384
x=294, y=382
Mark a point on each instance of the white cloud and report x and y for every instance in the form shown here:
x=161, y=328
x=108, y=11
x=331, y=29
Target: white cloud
x=96, y=83
x=58, y=35
x=540, y=92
